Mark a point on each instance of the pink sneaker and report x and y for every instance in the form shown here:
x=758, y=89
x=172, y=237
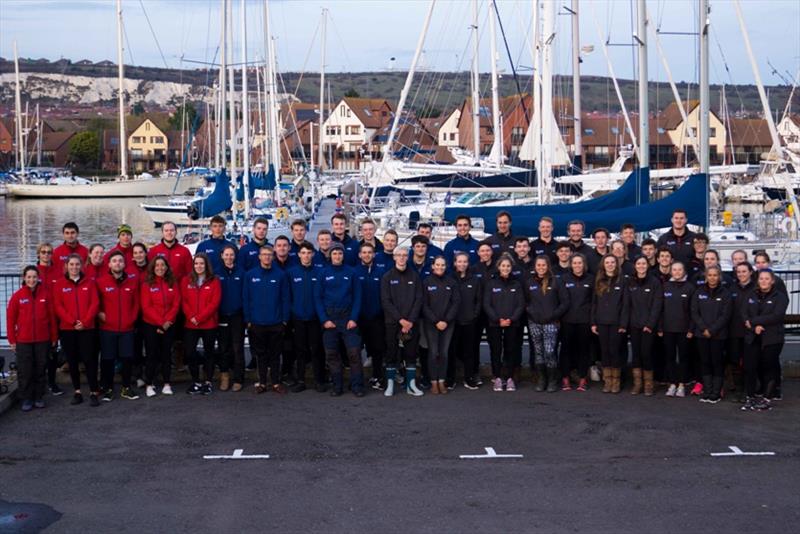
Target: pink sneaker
x=565, y=385
x=497, y=384
x=697, y=389
x=510, y=386
x=582, y=386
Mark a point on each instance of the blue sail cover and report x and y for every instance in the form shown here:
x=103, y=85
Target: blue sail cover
x=258, y=180
x=635, y=189
x=217, y=202
x=692, y=197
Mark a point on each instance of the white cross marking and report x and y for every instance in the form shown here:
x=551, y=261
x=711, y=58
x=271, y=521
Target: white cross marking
x=490, y=453
x=736, y=451
x=238, y=454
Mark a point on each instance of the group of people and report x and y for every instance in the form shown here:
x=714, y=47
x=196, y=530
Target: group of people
x=417, y=313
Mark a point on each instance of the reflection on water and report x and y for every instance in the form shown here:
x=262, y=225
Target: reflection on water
x=26, y=223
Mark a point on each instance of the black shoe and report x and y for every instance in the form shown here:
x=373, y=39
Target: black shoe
x=129, y=393
x=94, y=402
x=376, y=384
x=712, y=399
x=299, y=387
x=252, y=365
x=470, y=383
x=477, y=380
x=195, y=389
x=451, y=385
x=76, y=399
x=288, y=381
x=205, y=389
x=762, y=404
x=321, y=388
x=336, y=393
x=424, y=383
x=777, y=395
x=108, y=395
x=359, y=393
x=55, y=390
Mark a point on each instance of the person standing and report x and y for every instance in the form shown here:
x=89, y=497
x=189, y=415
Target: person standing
x=337, y=297
x=94, y=267
x=119, y=309
x=575, y=230
x=178, y=256
x=124, y=244
x=576, y=323
x=463, y=346
x=248, y=254
x=504, y=304
x=264, y=284
x=711, y=315
x=385, y=258
x=368, y=236
x=212, y=247
x=322, y=257
x=563, y=254
x=339, y=235
x=50, y=274
x=32, y=333
x=627, y=234
x=676, y=328
x=610, y=320
x=679, y=239
x=370, y=321
x=230, y=332
x=600, y=237
x=547, y=301
x=645, y=294
x=545, y=244
x=502, y=240
x=76, y=304
x=200, y=298
x=299, y=230
x=440, y=303
x=160, y=295
x=401, y=300
x=740, y=293
x=305, y=323
x=426, y=230
x=462, y=242
x=71, y=245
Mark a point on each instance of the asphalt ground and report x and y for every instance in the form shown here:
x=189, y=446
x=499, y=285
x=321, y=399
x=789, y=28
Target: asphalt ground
x=591, y=462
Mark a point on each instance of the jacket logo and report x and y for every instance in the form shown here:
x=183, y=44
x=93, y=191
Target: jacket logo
x=394, y=282
x=432, y=288
x=703, y=297
x=297, y=279
x=24, y=301
x=329, y=278
x=255, y=279
x=67, y=289
x=497, y=289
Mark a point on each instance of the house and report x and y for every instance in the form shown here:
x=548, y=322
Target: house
x=349, y=130
x=750, y=139
x=444, y=128
x=605, y=138
x=55, y=148
x=147, y=147
x=672, y=122
x=516, y=112
x=412, y=141
x=789, y=132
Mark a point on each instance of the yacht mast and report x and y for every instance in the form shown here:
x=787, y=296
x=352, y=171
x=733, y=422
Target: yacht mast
x=231, y=93
x=548, y=35
x=536, y=127
x=19, y=153
x=476, y=106
x=245, y=112
x=220, y=156
x=577, y=160
x=497, y=146
x=323, y=28
x=703, y=25
x=123, y=151
x=644, y=118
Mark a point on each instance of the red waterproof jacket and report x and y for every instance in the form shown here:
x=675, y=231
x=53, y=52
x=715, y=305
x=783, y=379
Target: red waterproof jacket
x=76, y=301
x=160, y=302
x=202, y=303
x=93, y=271
x=50, y=274
x=29, y=316
x=119, y=300
x=178, y=257
x=62, y=252
x=136, y=272
x=127, y=252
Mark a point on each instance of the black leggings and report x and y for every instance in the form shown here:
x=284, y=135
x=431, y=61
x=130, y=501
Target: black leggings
x=158, y=348
x=610, y=341
x=505, y=346
x=308, y=348
x=711, y=356
x=190, y=338
x=576, y=348
x=642, y=349
x=676, y=357
x=373, y=334
x=78, y=346
x=462, y=348
x=230, y=341
x=764, y=361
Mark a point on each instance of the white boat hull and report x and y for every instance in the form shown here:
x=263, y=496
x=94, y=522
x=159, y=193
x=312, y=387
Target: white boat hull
x=137, y=187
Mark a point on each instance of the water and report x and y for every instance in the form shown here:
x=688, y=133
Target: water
x=26, y=223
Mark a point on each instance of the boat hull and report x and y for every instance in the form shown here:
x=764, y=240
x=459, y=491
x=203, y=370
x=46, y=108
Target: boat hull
x=152, y=187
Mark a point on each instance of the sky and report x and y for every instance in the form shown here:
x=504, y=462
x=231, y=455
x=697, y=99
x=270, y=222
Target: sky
x=363, y=35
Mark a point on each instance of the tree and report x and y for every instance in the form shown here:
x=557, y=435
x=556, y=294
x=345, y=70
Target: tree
x=138, y=109
x=429, y=113
x=84, y=148
x=352, y=93
x=177, y=121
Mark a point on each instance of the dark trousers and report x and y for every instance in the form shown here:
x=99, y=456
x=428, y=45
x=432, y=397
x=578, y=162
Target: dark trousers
x=711, y=355
x=676, y=357
x=332, y=339
x=78, y=346
x=265, y=345
x=52, y=366
x=576, y=352
x=505, y=346
x=642, y=348
x=763, y=362
x=113, y=346
x=308, y=348
x=438, y=348
x=31, y=374
x=288, y=355
x=394, y=352
x=373, y=333
x=610, y=341
x=158, y=352
x=480, y=327
x=190, y=338
x=659, y=372
x=139, y=360
x=462, y=348
x=230, y=338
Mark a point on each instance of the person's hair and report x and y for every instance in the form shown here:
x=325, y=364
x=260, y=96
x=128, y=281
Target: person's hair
x=341, y=216
x=73, y=256
x=547, y=278
x=305, y=245
x=700, y=237
x=419, y=239
x=546, y=219
x=505, y=256
x=299, y=222
x=217, y=219
x=649, y=241
x=367, y=221
x=711, y=251
x=739, y=251
x=603, y=230
x=70, y=226
x=141, y=245
x=713, y=268
x=169, y=223
x=283, y=238
x=169, y=278
x=209, y=270
x=324, y=231
x=563, y=244
x=761, y=254
x=663, y=248
x=29, y=268
x=390, y=232
x=366, y=245
x=261, y=220
x=502, y=213
x=520, y=239
x=226, y=247
x=603, y=282
x=581, y=257
x=576, y=221
x=113, y=254
x=458, y=255
x=463, y=217
x=425, y=225
x=768, y=272
x=484, y=243
x=627, y=226
x=679, y=210
x=744, y=264
x=439, y=257
x=42, y=246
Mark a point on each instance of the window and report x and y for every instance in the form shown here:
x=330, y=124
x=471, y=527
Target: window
x=383, y=113
x=341, y=111
x=147, y=126
x=444, y=137
x=452, y=136
x=355, y=130
x=588, y=131
x=615, y=130
x=156, y=139
x=660, y=130
x=348, y=112
x=712, y=132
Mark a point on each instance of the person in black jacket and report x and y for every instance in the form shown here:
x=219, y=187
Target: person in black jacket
x=484, y=270
x=440, y=304
x=620, y=251
x=504, y=304
x=610, y=319
x=502, y=241
x=676, y=329
x=575, y=324
x=401, y=299
x=740, y=292
x=711, y=315
x=547, y=300
x=463, y=344
x=764, y=317
x=761, y=261
x=679, y=239
x=644, y=295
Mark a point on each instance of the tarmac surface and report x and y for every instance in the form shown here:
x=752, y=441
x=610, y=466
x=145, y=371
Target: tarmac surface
x=590, y=462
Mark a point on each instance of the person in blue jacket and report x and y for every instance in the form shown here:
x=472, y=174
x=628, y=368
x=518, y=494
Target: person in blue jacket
x=248, y=254
x=322, y=257
x=337, y=296
x=213, y=246
x=339, y=235
x=419, y=258
x=230, y=331
x=370, y=322
x=266, y=305
x=306, y=330
x=463, y=242
x=385, y=258
x=426, y=230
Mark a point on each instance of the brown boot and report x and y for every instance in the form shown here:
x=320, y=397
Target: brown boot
x=434, y=387
x=637, y=381
x=224, y=381
x=236, y=386
x=606, y=380
x=442, y=387
x=648, y=383
x=616, y=374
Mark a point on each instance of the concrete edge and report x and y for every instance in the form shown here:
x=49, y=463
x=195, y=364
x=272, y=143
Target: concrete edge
x=7, y=400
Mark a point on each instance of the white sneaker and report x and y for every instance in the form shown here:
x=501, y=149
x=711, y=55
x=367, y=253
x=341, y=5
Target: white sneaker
x=150, y=391
x=671, y=390
x=140, y=383
x=681, y=391
x=166, y=390
x=367, y=362
x=389, y=389
x=594, y=374
x=497, y=384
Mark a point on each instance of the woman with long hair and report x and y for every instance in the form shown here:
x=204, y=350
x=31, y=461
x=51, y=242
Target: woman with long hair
x=200, y=298
x=161, y=302
x=440, y=303
x=676, y=329
x=610, y=320
x=50, y=273
x=576, y=323
x=95, y=267
x=504, y=304
x=463, y=345
x=711, y=315
x=740, y=292
x=644, y=294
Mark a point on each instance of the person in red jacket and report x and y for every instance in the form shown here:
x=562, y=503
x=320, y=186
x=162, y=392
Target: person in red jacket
x=201, y=294
x=138, y=264
x=50, y=273
x=119, y=308
x=161, y=300
x=138, y=270
x=71, y=245
x=76, y=305
x=178, y=256
x=31, y=333
x=124, y=244
x=94, y=267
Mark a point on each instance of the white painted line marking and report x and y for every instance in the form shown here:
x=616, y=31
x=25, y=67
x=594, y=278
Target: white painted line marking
x=490, y=453
x=238, y=454
x=736, y=451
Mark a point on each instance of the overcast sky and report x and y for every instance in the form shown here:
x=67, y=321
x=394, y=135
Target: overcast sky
x=364, y=34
